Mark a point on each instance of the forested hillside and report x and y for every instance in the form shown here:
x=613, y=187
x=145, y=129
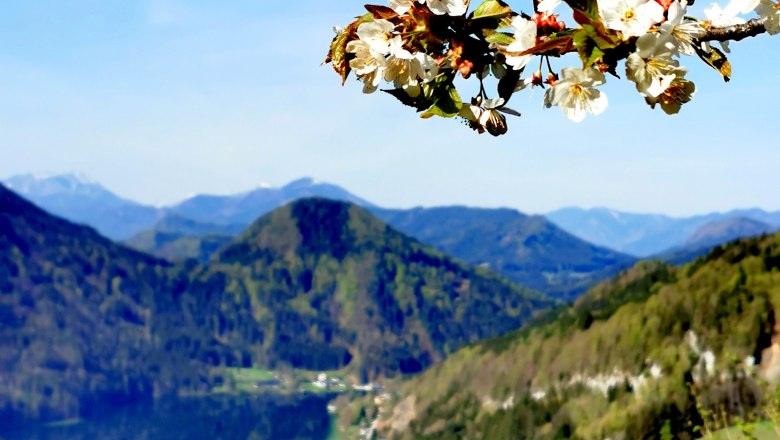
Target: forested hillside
x=659, y=352
x=317, y=285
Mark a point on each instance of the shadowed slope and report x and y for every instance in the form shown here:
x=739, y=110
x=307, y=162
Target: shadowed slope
x=84, y=318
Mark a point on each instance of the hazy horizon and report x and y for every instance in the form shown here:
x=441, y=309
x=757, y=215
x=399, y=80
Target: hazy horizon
x=161, y=99
x=268, y=185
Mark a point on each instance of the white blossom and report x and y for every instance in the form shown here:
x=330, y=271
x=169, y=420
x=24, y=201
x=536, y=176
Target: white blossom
x=405, y=69
x=376, y=34
x=729, y=16
x=438, y=7
x=679, y=92
x=400, y=65
x=770, y=12
x=428, y=67
x=401, y=6
x=478, y=111
x=547, y=5
x=486, y=115
x=450, y=7
x=576, y=94
x=368, y=65
x=631, y=17
x=652, y=71
x=525, y=38
x=677, y=32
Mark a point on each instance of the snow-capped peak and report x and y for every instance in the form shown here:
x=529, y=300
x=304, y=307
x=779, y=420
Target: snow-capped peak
x=54, y=184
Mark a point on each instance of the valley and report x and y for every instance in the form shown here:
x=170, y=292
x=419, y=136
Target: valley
x=364, y=308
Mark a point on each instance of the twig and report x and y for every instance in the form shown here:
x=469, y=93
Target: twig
x=737, y=32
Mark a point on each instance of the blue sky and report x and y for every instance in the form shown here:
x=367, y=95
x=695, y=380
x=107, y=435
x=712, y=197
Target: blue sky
x=160, y=99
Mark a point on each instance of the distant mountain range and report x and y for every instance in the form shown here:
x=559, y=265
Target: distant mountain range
x=555, y=258
x=316, y=284
x=713, y=234
x=645, y=235
x=247, y=207
x=82, y=201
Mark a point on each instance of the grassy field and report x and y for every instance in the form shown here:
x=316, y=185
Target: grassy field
x=243, y=380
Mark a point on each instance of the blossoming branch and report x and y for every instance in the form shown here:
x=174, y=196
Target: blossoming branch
x=418, y=47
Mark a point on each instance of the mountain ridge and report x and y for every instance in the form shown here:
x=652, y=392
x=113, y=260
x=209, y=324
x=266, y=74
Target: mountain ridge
x=713, y=234
x=84, y=201
x=643, y=235
x=246, y=207
x=526, y=248
x=339, y=259
x=546, y=261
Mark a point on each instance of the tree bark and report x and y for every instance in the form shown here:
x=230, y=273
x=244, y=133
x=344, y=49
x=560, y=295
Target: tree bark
x=737, y=32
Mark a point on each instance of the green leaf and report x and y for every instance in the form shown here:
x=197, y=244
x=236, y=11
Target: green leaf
x=491, y=9
x=420, y=102
x=493, y=14
x=717, y=60
x=502, y=38
x=595, y=56
x=584, y=44
x=604, y=40
x=437, y=98
x=591, y=45
x=446, y=102
x=589, y=8
x=435, y=110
